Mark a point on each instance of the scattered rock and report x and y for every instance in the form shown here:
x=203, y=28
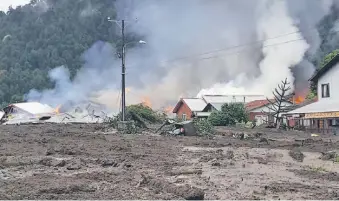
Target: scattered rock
x=128, y=165
x=185, y=172
x=185, y=191
x=52, y=162
x=258, y=135
x=68, y=189
x=50, y=151
x=247, y=155
x=229, y=154
x=219, y=151
x=216, y=163
x=264, y=140
x=75, y=165
x=297, y=155
x=328, y=155
x=262, y=160
x=107, y=163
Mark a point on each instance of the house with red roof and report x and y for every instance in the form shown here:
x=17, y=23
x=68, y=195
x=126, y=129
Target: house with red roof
x=261, y=112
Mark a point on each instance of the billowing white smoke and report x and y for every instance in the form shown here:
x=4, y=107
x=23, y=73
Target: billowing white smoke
x=280, y=54
x=188, y=50
x=98, y=73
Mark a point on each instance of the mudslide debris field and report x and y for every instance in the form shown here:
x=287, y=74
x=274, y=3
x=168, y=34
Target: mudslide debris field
x=79, y=161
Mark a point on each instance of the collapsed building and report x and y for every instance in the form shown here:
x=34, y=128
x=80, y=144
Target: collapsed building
x=34, y=112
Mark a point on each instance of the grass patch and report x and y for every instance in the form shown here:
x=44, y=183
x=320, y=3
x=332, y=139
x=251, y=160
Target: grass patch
x=318, y=169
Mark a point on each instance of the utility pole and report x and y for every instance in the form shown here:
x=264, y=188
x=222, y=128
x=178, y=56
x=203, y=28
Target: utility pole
x=123, y=67
x=123, y=74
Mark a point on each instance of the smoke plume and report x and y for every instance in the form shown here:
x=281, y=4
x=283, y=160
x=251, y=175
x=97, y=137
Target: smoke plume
x=199, y=47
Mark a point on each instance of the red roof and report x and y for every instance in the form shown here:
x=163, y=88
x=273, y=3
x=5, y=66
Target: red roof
x=256, y=104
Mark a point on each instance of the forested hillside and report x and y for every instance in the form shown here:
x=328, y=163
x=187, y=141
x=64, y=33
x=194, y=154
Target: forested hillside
x=36, y=38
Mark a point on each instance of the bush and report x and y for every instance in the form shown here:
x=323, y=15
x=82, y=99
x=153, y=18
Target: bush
x=140, y=114
x=203, y=126
x=220, y=119
x=229, y=115
x=144, y=112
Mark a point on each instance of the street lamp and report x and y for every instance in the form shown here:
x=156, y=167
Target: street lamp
x=123, y=68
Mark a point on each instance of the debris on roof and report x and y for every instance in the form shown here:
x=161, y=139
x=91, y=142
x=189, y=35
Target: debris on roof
x=33, y=112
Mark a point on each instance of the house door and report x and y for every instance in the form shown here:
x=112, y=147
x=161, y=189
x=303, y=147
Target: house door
x=260, y=119
x=321, y=124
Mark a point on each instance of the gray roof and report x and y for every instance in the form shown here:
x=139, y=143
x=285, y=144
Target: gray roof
x=320, y=106
x=195, y=104
x=217, y=106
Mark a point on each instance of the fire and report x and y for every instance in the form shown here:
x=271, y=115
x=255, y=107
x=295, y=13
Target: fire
x=146, y=102
x=300, y=96
x=299, y=99
x=57, y=109
x=169, y=109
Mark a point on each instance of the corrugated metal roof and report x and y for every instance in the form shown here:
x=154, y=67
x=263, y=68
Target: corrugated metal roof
x=320, y=106
x=195, y=104
x=256, y=104
x=34, y=108
x=231, y=98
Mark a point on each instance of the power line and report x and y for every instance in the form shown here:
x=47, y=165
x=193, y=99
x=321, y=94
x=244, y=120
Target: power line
x=232, y=47
x=235, y=47
x=237, y=52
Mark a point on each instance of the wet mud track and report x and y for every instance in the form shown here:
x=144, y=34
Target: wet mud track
x=82, y=162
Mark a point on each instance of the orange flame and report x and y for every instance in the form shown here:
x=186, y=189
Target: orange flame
x=169, y=109
x=57, y=109
x=299, y=99
x=146, y=102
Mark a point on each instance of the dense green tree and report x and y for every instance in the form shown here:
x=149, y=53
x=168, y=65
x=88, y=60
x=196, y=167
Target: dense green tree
x=45, y=34
x=35, y=38
x=230, y=114
x=328, y=58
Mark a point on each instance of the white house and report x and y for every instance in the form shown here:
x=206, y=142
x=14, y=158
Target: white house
x=325, y=112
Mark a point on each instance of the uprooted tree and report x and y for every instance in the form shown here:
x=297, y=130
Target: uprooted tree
x=140, y=114
x=276, y=105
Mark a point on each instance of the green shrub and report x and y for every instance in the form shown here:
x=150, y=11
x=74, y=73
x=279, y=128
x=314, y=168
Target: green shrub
x=203, y=126
x=229, y=115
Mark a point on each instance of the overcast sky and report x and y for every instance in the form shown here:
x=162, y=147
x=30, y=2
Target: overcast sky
x=4, y=4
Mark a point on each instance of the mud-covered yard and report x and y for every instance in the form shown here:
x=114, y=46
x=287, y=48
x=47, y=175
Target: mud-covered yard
x=56, y=161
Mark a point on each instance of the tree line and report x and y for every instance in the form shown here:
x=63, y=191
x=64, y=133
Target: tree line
x=34, y=39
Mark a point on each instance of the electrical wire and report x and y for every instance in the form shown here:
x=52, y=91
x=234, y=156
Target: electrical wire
x=254, y=43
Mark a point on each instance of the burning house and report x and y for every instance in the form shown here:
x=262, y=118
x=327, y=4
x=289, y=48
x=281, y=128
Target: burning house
x=322, y=115
x=31, y=112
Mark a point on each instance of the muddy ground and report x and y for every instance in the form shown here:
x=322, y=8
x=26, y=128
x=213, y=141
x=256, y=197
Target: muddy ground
x=83, y=162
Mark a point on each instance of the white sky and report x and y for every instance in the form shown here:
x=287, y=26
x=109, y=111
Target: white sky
x=4, y=4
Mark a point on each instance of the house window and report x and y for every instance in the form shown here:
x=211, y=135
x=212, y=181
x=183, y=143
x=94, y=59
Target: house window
x=184, y=117
x=325, y=90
